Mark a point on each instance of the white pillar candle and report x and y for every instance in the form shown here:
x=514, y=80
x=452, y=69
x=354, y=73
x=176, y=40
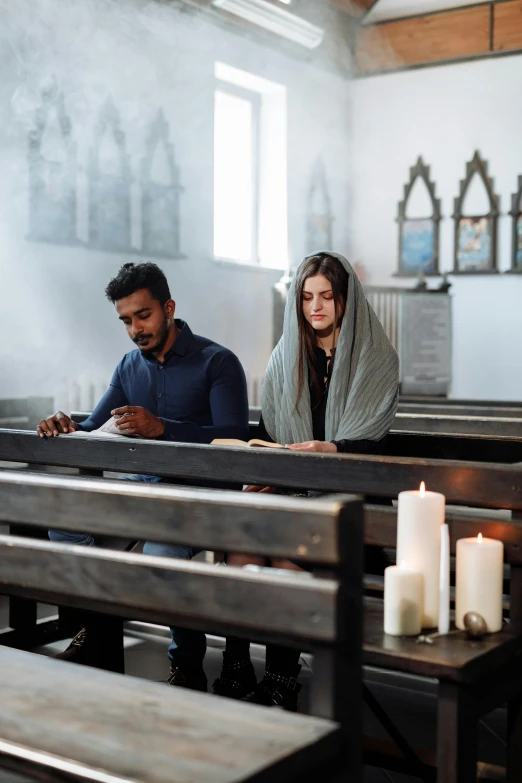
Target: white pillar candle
x=420, y=515
x=402, y=601
x=479, y=580
x=444, y=583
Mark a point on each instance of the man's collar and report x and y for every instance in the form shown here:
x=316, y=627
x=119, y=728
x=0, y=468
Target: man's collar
x=180, y=344
x=182, y=341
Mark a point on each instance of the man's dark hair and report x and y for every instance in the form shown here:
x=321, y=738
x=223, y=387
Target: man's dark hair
x=133, y=277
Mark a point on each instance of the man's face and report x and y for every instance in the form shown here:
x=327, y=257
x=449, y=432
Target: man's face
x=146, y=320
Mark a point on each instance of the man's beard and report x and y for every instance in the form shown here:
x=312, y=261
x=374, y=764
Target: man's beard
x=158, y=347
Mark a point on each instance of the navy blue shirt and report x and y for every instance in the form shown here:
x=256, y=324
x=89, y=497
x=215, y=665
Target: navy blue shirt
x=199, y=391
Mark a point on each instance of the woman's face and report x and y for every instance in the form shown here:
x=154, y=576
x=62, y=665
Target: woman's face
x=318, y=303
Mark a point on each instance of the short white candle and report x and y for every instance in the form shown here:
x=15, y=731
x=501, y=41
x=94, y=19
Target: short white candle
x=479, y=580
x=419, y=517
x=444, y=583
x=402, y=601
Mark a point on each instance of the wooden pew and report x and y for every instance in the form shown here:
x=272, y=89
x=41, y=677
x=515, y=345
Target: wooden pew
x=465, y=407
x=486, y=446
x=493, y=423
x=463, y=483
x=510, y=411
x=462, y=667
x=442, y=438
x=80, y=723
x=444, y=424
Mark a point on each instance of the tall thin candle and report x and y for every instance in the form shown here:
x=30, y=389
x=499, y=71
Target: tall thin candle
x=444, y=583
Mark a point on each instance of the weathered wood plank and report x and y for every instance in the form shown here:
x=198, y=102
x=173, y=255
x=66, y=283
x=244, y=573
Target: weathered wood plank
x=507, y=26
x=146, y=732
x=477, y=409
x=489, y=426
x=271, y=525
x=170, y=591
x=467, y=483
x=424, y=39
x=429, y=400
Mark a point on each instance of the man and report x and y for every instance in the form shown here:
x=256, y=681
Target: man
x=176, y=387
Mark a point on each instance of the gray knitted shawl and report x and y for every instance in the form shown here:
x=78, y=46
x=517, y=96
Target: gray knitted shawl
x=364, y=387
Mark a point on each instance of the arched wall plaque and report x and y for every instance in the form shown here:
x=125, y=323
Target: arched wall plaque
x=419, y=236
x=476, y=235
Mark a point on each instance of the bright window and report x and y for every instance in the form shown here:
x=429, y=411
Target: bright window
x=250, y=163
x=235, y=175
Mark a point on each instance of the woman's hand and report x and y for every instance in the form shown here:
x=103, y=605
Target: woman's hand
x=257, y=488
x=323, y=446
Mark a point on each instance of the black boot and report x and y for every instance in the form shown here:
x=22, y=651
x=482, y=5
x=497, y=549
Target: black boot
x=79, y=651
x=191, y=677
x=98, y=644
x=237, y=678
x=277, y=690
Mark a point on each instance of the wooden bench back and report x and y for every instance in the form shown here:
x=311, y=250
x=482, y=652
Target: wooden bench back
x=294, y=608
x=458, y=424
x=431, y=443
x=272, y=525
x=431, y=419
x=477, y=408
x=465, y=483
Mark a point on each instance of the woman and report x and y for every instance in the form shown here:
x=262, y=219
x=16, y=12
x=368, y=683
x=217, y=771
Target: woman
x=332, y=385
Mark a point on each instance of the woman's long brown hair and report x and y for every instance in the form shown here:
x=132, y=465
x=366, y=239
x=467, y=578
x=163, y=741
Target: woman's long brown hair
x=336, y=274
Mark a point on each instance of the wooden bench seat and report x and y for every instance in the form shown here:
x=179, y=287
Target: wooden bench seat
x=89, y=722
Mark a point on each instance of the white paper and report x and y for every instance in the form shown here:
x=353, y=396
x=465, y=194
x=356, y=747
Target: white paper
x=107, y=430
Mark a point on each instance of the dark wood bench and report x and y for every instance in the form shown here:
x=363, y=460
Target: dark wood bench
x=58, y=719
x=462, y=443
x=463, y=676
x=458, y=424
x=498, y=423
x=463, y=407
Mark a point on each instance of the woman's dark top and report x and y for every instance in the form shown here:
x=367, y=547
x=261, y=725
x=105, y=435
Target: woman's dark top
x=323, y=366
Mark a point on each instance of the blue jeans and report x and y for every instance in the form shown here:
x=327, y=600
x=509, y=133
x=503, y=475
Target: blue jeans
x=188, y=647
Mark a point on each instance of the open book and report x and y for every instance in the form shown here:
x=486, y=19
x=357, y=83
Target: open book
x=107, y=430
x=254, y=442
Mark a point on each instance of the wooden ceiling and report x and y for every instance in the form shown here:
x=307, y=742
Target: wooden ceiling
x=447, y=36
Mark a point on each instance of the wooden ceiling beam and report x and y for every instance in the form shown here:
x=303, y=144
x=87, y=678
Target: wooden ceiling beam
x=476, y=31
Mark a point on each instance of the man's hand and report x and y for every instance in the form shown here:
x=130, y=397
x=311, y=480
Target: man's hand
x=57, y=424
x=257, y=488
x=323, y=446
x=135, y=420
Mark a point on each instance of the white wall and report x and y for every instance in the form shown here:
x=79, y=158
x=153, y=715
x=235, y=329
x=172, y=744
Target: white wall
x=54, y=320
x=444, y=114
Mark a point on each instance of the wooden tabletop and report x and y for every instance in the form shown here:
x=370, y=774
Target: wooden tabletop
x=454, y=658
